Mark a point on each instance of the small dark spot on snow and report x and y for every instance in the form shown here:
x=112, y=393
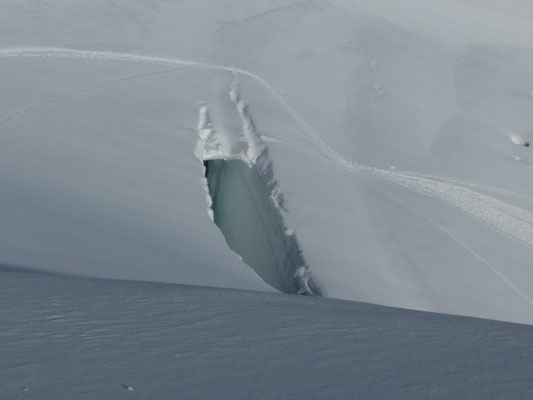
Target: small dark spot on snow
x=526, y=144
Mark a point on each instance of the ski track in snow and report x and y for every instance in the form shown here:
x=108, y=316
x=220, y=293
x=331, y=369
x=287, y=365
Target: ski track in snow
x=505, y=279
x=509, y=220
x=486, y=262
x=51, y=100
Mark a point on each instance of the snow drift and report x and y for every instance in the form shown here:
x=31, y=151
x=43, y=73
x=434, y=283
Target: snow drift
x=173, y=341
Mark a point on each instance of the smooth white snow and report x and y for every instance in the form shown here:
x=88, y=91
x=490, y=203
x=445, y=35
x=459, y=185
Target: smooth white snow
x=99, y=116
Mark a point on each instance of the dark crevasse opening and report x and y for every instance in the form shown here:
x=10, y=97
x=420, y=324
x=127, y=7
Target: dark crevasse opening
x=253, y=226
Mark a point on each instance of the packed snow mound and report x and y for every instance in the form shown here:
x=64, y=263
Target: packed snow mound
x=387, y=124
x=61, y=339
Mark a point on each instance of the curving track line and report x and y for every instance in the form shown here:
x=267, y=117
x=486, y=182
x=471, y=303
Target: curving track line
x=511, y=221
x=51, y=100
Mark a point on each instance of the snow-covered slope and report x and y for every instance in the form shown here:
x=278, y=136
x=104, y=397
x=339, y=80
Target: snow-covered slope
x=74, y=338
x=394, y=132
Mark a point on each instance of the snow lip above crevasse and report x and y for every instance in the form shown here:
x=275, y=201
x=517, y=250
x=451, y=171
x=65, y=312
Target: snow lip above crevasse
x=245, y=202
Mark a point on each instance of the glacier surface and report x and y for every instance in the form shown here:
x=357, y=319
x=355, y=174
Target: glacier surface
x=391, y=127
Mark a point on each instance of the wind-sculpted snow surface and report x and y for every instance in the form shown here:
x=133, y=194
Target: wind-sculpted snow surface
x=61, y=339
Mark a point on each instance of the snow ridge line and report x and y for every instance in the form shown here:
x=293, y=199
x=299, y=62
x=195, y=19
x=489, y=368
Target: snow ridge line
x=511, y=221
